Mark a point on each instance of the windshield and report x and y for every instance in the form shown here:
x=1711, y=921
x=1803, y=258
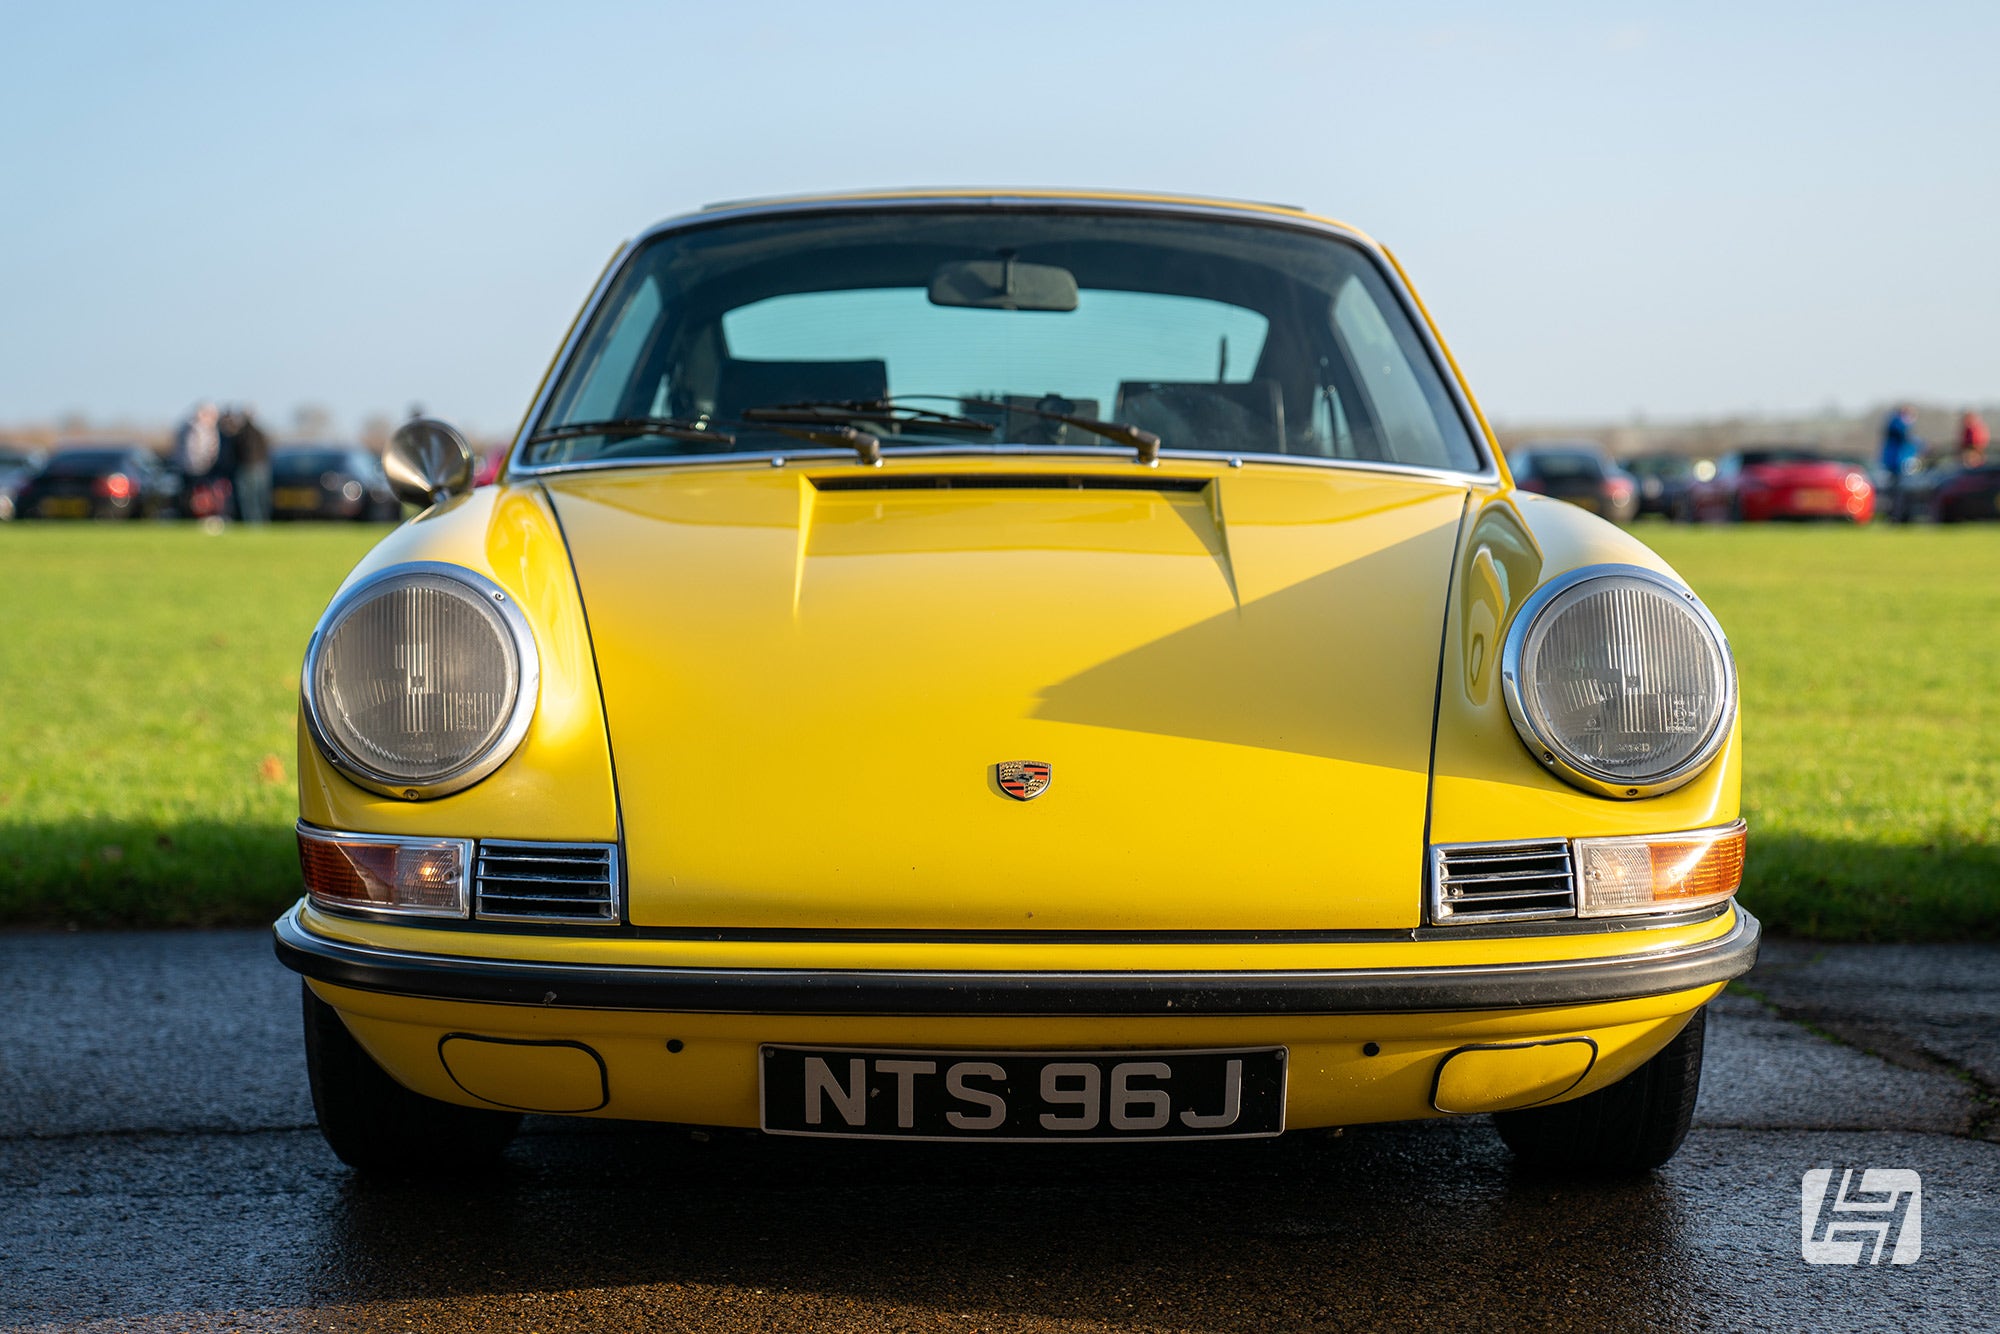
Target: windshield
x=1216, y=336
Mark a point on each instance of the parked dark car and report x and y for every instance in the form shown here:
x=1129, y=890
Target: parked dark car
x=331, y=482
x=1948, y=493
x=1581, y=473
x=1664, y=478
x=101, y=482
x=1781, y=482
x=18, y=464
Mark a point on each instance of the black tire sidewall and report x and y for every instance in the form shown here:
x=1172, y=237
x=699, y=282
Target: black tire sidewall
x=374, y=1124
x=1623, y=1129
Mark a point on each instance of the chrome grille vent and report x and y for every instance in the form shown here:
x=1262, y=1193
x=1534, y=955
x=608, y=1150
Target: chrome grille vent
x=546, y=882
x=1502, y=882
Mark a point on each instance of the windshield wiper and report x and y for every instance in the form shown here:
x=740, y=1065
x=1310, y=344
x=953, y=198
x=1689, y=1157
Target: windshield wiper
x=1145, y=442
x=898, y=409
x=669, y=428
x=867, y=410
x=865, y=445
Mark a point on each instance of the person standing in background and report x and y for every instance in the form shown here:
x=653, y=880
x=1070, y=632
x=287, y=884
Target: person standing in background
x=1972, y=439
x=250, y=452
x=1900, y=449
x=197, y=443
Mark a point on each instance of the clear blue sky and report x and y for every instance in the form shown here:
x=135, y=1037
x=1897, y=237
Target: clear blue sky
x=1676, y=209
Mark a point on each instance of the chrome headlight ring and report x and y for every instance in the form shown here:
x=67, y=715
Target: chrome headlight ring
x=519, y=713
x=1564, y=761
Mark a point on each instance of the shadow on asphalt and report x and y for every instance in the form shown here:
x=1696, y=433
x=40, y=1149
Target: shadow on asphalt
x=1268, y=1235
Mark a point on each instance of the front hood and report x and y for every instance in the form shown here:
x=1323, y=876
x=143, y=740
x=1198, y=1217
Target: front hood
x=810, y=676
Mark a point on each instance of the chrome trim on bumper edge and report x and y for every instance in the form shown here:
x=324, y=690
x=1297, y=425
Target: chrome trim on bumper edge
x=1506, y=986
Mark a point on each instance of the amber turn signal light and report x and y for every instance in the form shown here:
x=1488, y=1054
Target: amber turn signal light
x=425, y=877
x=1659, y=872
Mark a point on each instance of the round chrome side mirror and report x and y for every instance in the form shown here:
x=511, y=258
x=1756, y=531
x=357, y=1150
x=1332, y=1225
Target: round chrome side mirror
x=427, y=461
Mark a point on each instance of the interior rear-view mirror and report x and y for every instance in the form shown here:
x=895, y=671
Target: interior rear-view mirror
x=1003, y=284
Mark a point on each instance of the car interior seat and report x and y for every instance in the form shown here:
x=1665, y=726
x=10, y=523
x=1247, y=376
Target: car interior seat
x=1247, y=415
x=767, y=384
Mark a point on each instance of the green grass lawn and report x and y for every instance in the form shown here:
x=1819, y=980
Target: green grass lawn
x=1870, y=662
x=148, y=674
x=147, y=680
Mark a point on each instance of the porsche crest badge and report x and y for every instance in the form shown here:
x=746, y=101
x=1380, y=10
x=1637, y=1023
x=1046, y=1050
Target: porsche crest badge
x=1023, y=780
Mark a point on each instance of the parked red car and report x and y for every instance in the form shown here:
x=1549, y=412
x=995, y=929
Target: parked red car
x=1781, y=482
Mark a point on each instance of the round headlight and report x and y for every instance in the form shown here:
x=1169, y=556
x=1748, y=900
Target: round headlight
x=421, y=680
x=1619, y=680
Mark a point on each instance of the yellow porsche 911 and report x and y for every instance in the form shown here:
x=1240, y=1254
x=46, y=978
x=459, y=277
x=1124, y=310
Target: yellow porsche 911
x=1009, y=667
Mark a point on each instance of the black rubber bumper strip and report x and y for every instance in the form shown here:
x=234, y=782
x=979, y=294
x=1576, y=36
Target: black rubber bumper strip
x=1508, y=986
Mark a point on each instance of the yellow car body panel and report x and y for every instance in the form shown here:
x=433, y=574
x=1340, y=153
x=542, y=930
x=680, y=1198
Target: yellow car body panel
x=1486, y=784
x=558, y=784
x=712, y=1078
x=806, y=720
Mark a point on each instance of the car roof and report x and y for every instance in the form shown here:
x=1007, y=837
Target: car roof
x=94, y=456
x=1006, y=198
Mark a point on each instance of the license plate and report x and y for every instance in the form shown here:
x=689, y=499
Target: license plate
x=296, y=497
x=63, y=507
x=1819, y=500
x=1016, y=1096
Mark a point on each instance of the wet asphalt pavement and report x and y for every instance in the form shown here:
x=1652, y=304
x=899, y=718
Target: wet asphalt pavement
x=158, y=1170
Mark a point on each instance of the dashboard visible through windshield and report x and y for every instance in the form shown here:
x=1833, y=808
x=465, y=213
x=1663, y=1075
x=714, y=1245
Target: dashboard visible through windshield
x=938, y=328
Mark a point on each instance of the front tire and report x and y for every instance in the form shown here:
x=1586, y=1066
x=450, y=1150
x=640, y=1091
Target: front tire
x=373, y=1124
x=1629, y=1127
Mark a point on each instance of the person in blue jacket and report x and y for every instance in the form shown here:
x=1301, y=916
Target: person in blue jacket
x=1900, y=448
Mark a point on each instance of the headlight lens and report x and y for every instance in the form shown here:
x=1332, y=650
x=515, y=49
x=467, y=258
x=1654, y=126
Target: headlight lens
x=420, y=681
x=1620, y=680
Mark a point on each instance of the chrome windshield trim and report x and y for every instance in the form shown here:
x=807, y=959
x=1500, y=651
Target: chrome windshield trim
x=1441, y=365
x=778, y=458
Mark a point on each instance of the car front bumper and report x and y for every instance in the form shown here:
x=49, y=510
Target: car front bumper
x=681, y=1042
x=699, y=990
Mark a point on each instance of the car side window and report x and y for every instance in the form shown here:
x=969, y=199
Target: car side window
x=1410, y=414
x=600, y=394
x=1332, y=432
